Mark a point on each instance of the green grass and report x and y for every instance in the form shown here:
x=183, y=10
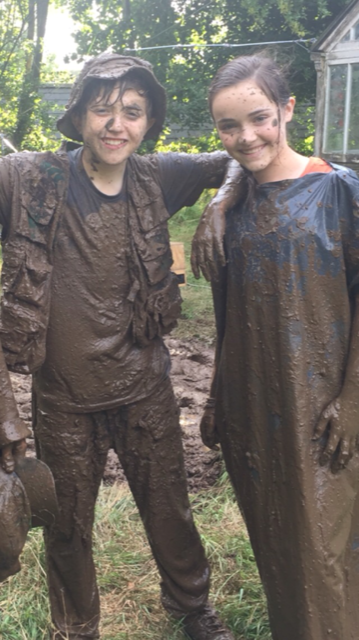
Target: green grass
x=197, y=318
x=128, y=577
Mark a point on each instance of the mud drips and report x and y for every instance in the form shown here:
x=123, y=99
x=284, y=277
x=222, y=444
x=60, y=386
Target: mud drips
x=191, y=377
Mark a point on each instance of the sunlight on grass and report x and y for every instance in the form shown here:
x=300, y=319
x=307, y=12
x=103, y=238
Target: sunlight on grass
x=128, y=578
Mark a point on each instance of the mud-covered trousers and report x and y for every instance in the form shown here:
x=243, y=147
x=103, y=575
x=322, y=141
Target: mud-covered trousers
x=146, y=436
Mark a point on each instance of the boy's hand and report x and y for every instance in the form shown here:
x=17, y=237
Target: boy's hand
x=208, y=253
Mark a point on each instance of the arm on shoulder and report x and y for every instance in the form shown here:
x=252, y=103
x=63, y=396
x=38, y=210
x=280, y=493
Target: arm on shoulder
x=207, y=245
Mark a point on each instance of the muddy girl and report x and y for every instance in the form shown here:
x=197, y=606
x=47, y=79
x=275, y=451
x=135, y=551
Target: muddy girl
x=285, y=395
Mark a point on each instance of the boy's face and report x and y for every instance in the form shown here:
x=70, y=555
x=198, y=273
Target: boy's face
x=113, y=128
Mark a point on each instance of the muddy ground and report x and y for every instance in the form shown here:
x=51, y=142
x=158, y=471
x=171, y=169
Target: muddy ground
x=191, y=374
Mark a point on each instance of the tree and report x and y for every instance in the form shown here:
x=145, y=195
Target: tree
x=13, y=21
x=36, y=25
x=187, y=72
x=24, y=117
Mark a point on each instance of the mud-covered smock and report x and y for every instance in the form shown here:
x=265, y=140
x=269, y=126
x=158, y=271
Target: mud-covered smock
x=284, y=314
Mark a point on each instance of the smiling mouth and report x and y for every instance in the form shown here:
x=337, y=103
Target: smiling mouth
x=114, y=143
x=252, y=151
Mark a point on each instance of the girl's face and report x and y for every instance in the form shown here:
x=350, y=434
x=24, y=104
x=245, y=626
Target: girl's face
x=251, y=127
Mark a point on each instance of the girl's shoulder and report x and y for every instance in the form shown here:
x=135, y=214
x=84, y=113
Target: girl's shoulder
x=340, y=185
x=336, y=176
x=317, y=165
x=340, y=172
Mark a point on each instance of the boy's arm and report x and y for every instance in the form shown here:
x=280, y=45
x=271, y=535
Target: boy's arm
x=183, y=177
x=13, y=430
x=207, y=244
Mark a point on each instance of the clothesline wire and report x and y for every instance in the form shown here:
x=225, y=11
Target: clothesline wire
x=199, y=286
x=229, y=45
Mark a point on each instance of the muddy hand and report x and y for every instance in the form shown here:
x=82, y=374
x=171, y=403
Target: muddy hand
x=12, y=452
x=341, y=420
x=207, y=246
x=208, y=429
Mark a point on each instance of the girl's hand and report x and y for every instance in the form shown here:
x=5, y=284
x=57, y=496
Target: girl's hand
x=208, y=429
x=341, y=420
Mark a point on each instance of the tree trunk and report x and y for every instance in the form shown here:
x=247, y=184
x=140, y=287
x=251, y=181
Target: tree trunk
x=128, y=23
x=38, y=10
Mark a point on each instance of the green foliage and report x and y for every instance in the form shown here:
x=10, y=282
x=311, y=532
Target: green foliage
x=301, y=131
x=13, y=53
x=140, y=23
x=200, y=144
x=187, y=72
x=24, y=118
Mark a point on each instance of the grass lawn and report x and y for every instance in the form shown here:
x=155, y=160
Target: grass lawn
x=128, y=577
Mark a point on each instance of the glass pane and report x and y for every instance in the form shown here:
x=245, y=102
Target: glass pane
x=337, y=88
x=356, y=31
x=353, y=139
x=346, y=38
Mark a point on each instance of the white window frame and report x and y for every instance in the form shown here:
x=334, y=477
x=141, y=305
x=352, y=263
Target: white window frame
x=351, y=32
x=348, y=94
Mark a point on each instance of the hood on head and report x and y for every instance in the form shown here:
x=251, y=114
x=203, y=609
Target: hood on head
x=113, y=66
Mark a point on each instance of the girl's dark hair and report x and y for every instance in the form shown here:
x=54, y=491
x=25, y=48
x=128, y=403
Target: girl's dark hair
x=269, y=77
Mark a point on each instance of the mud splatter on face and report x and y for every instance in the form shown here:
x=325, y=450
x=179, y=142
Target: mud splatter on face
x=109, y=124
x=275, y=122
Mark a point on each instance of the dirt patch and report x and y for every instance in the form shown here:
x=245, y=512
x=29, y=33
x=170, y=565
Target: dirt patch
x=191, y=375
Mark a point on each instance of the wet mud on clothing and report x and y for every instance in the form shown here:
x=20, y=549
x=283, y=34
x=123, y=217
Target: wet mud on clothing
x=92, y=362
x=293, y=266
x=147, y=438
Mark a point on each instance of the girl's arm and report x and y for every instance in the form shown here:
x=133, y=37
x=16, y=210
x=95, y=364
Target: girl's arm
x=208, y=428
x=341, y=416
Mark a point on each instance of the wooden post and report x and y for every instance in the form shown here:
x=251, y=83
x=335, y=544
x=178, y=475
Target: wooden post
x=179, y=263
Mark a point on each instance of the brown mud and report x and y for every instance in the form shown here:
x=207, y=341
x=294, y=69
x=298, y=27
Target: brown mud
x=191, y=375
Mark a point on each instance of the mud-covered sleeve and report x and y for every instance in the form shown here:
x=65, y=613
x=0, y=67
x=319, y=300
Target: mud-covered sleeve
x=219, y=303
x=183, y=176
x=5, y=192
x=12, y=428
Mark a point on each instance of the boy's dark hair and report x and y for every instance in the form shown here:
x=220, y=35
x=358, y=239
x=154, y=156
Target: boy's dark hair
x=100, y=75
x=99, y=89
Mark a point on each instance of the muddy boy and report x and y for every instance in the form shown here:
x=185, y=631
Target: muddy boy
x=87, y=296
